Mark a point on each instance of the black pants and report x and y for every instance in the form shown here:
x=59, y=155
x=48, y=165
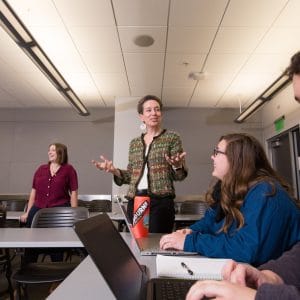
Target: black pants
x=162, y=214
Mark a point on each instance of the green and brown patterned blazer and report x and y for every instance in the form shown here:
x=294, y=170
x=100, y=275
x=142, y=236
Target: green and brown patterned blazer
x=160, y=173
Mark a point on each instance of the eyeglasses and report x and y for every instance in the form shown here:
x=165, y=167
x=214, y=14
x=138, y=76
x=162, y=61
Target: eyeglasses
x=217, y=151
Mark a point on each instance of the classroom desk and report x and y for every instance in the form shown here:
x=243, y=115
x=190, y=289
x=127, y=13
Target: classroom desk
x=38, y=238
x=87, y=283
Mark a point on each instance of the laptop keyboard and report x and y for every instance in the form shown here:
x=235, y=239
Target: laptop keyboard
x=167, y=289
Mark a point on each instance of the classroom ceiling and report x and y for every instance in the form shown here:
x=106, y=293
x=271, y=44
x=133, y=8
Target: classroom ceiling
x=238, y=47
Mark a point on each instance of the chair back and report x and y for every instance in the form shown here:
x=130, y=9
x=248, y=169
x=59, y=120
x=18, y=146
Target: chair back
x=59, y=216
x=96, y=205
x=193, y=207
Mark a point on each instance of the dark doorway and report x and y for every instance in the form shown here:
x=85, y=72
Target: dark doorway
x=285, y=154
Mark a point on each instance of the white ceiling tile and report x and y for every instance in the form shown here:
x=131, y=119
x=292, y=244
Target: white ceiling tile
x=246, y=86
x=83, y=85
x=180, y=61
x=146, y=89
x=114, y=84
x=129, y=34
x=178, y=79
x=190, y=39
x=196, y=12
x=238, y=39
x=85, y=12
x=240, y=58
x=225, y=63
x=266, y=63
x=280, y=40
x=104, y=39
x=252, y=13
x=36, y=12
x=176, y=96
x=290, y=15
x=144, y=69
x=53, y=38
x=141, y=12
x=103, y=62
x=210, y=90
x=179, y=66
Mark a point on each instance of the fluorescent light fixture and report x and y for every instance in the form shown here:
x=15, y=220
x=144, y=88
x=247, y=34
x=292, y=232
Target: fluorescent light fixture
x=11, y=23
x=249, y=110
x=278, y=85
x=74, y=100
x=13, y=27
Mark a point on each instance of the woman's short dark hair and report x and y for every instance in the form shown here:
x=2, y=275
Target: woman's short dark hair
x=294, y=67
x=140, y=105
x=62, y=153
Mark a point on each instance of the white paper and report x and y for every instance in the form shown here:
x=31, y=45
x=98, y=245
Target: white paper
x=200, y=267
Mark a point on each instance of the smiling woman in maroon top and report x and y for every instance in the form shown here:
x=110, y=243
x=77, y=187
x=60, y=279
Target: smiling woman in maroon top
x=54, y=184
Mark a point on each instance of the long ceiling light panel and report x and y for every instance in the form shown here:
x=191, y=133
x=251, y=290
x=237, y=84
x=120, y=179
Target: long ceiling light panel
x=11, y=23
x=277, y=86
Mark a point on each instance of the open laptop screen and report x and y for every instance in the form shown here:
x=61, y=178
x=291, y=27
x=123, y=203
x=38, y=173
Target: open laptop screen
x=112, y=256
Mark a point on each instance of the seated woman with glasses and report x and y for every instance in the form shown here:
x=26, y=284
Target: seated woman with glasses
x=252, y=216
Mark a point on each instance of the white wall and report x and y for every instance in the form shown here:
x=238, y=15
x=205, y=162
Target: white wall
x=126, y=128
x=26, y=134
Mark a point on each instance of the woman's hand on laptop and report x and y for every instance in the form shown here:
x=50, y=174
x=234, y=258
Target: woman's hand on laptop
x=185, y=230
x=173, y=240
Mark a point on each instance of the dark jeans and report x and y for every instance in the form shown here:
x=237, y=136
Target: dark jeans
x=31, y=255
x=161, y=216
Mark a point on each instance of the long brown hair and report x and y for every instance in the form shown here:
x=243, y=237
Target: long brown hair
x=248, y=165
x=62, y=153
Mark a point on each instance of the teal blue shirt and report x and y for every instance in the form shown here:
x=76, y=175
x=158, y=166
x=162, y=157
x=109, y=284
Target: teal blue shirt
x=272, y=225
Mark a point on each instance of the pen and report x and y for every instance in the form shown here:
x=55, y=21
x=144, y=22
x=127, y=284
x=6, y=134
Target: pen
x=187, y=268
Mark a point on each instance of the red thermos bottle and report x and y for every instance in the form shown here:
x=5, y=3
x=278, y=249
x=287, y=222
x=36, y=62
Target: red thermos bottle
x=140, y=223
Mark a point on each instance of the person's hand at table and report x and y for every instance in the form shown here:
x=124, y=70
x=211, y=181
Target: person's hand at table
x=219, y=290
x=246, y=275
x=173, y=240
x=23, y=218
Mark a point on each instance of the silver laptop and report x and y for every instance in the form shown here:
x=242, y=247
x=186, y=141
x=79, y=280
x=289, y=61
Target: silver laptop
x=150, y=245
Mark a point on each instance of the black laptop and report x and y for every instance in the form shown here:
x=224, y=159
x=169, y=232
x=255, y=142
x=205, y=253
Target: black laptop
x=124, y=275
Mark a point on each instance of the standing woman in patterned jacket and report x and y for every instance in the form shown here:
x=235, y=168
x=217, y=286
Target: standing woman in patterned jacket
x=156, y=160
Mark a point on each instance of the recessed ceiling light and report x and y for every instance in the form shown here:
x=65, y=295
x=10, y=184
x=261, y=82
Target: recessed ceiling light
x=144, y=40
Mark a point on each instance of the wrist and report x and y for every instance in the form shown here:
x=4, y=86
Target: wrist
x=270, y=277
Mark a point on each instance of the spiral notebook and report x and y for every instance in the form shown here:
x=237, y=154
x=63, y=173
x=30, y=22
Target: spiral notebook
x=189, y=267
